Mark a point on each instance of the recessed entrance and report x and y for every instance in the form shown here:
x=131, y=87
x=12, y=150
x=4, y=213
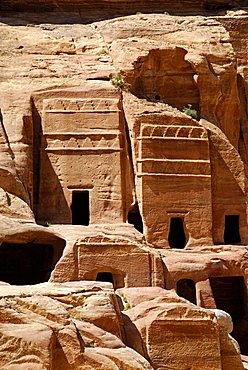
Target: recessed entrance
x=229, y=293
x=231, y=233
x=80, y=208
x=25, y=264
x=186, y=289
x=134, y=218
x=105, y=276
x=109, y=275
x=177, y=237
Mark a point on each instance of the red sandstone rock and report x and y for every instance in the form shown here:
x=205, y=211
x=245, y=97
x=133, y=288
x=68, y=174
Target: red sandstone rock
x=125, y=157
x=106, y=8
x=167, y=324
x=43, y=327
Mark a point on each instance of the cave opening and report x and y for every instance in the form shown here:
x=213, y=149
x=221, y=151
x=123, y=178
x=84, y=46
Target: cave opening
x=134, y=218
x=230, y=295
x=177, y=237
x=165, y=75
x=105, y=276
x=186, y=289
x=25, y=264
x=80, y=207
x=231, y=232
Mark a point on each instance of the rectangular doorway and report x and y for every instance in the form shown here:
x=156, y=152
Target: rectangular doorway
x=80, y=207
x=230, y=295
x=231, y=232
x=177, y=238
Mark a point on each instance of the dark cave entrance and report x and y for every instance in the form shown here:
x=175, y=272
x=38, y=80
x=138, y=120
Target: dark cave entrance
x=80, y=207
x=231, y=232
x=134, y=218
x=105, y=276
x=177, y=237
x=186, y=289
x=25, y=264
x=116, y=277
x=230, y=295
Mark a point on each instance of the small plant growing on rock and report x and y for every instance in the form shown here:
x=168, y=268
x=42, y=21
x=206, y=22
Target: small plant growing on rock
x=190, y=112
x=126, y=304
x=103, y=51
x=118, y=81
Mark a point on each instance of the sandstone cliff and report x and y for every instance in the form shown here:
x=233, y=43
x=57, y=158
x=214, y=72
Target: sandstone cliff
x=124, y=153
x=106, y=8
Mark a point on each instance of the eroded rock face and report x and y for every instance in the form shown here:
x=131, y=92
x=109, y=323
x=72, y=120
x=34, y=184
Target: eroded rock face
x=160, y=62
x=79, y=325
x=162, y=58
x=159, y=324
x=63, y=326
x=87, y=159
x=89, y=256
x=107, y=8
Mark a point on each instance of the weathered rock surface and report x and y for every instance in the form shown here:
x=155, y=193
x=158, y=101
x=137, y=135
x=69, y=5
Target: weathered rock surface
x=69, y=141
x=89, y=252
x=63, y=326
x=159, y=324
x=105, y=8
x=160, y=62
x=79, y=325
x=198, y=53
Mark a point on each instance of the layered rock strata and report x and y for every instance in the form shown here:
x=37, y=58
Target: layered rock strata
x=79, y=325
x=106, y=8
x=141, y=182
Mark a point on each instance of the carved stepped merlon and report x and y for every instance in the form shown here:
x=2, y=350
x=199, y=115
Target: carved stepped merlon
x=167, y=160
x=74, y=105
x=83, y=142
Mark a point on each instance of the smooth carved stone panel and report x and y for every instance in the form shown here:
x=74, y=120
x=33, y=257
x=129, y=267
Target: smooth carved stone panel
x=170, y=166
x=82, y=150
x=191, y=342
x=95, y=258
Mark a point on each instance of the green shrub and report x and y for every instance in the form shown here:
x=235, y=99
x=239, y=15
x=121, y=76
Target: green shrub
x=126, y=304
x=103, y=51
x=118, y=81
x=190, y=112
